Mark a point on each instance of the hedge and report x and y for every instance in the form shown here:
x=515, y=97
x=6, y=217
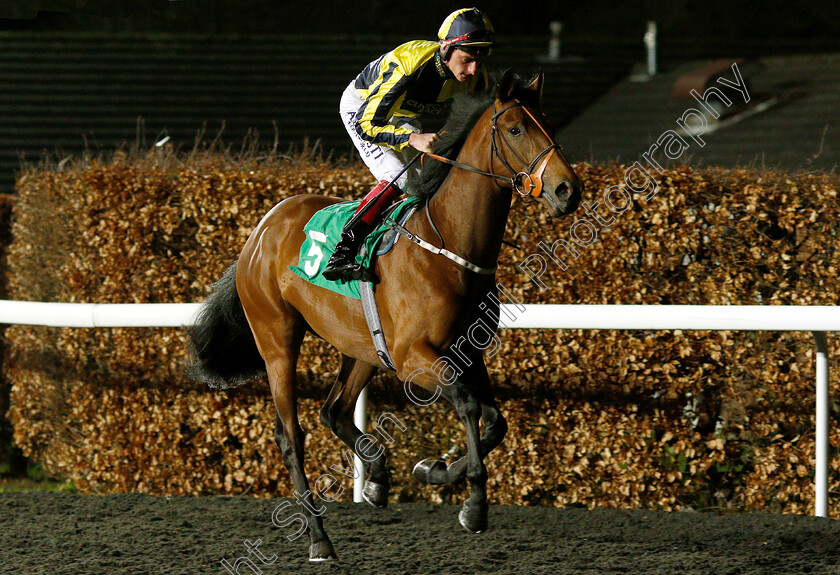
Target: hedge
x=12, y=461
x=669, y=420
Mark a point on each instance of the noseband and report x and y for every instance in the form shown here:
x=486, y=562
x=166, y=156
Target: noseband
x=527, y=183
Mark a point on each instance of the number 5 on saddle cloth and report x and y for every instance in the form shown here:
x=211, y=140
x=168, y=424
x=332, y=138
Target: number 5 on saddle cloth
x=323, y=232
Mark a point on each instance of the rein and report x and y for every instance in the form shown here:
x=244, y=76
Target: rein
x=469, y=168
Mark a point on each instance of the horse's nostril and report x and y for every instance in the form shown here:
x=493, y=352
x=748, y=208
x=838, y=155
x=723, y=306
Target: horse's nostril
x=564, y=189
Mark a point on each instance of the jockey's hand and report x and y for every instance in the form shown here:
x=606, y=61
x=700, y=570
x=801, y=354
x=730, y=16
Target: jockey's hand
x=423, y=142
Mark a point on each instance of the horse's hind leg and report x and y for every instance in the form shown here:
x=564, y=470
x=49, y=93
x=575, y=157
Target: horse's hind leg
x=280, y=345
x=337, y=415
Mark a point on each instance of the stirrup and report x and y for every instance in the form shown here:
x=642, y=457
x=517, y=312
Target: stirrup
x=350, y=272
x=366, y=275
x=339, y=270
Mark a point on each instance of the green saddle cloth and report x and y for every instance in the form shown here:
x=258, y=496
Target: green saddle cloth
x=323, y=231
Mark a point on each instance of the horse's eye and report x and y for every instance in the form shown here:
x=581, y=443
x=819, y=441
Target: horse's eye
x=515, y=131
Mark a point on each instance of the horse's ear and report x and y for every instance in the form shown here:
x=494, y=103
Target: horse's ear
x=504, y=90
x=537, y=83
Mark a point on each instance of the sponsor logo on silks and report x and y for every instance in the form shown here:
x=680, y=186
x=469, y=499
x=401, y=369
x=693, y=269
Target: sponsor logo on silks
x=433, y=109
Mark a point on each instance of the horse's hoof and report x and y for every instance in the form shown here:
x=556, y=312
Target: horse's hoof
x=430, y=471
x=322, y=551
x=473, y=519
x=376, y=494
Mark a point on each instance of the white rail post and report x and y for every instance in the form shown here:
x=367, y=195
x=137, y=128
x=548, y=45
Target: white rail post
x=360, y=419
x=821, y=473
x=556, y=28
x=650, y=43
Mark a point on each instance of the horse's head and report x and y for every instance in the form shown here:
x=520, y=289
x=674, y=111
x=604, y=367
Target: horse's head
x=524, y=146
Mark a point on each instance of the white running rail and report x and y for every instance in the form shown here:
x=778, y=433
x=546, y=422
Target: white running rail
x=816, y=319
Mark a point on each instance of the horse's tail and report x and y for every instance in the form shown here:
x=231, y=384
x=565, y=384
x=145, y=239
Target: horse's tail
x=224, y=353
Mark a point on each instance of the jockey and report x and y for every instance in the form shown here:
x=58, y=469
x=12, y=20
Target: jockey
x=382, y=106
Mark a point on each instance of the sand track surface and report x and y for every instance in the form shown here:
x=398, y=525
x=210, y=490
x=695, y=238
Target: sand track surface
x=60, y=533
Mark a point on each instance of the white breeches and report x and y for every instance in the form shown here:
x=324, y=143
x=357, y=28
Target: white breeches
x=383, y=162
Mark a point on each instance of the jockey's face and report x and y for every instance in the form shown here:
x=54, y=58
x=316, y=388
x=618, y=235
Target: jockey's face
x=464, y=66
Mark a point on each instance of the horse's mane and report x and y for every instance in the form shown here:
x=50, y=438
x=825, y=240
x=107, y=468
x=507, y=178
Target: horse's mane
x=464, y=114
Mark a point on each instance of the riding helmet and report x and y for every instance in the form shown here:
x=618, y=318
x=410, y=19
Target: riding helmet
x=468, y=29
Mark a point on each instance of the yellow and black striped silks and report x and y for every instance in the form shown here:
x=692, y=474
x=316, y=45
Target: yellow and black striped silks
x=409, y=82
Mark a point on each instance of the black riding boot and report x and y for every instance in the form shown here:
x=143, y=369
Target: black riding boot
x=342, y=264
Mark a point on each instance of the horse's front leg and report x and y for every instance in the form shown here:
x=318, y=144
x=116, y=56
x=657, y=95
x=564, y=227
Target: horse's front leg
x=435, y=471
x=473, y=515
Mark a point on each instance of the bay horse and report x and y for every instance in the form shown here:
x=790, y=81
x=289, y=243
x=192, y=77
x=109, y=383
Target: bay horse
x=256, y=318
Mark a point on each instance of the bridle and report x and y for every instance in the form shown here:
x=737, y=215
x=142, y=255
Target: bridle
x=535, y=170
x=527, y=183
x=533, y=174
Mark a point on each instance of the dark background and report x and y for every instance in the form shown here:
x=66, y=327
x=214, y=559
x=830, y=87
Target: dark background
x=726, y=19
